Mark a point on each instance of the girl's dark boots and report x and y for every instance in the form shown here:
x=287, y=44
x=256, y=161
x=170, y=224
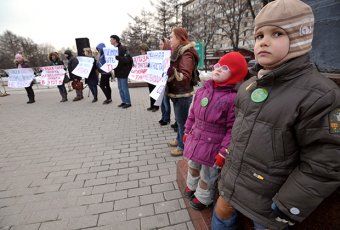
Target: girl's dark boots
x=63, y=97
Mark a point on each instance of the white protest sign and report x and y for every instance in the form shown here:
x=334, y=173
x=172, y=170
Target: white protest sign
x=158, y=92
x=110, y=58
x=139, y=69
x=159, y=62
x=52, y=75
x=20, y=78
x=84, y=67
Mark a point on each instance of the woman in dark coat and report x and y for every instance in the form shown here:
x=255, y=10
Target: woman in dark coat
x=21, y=63
x=55, y=60
x=92, y=80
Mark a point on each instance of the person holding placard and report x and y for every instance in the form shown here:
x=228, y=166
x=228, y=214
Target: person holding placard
x=164, y=44
x=77, y=84
x=122, y=71
x=55, y=60
x=143, y=49
x=21, y=63
x=104, y=76
x=92, y=80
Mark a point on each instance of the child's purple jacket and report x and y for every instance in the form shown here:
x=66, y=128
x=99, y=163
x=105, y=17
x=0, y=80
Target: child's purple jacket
x=209, y=127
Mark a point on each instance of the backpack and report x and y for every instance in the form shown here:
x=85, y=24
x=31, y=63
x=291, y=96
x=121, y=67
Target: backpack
x=195, y=78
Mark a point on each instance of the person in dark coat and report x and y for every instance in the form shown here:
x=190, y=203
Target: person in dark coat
x=284, y=153
x=92, y=80
x=105, y=77
x=21, y=63
x=144, y=48
x=164, y=44
x=53, y=57
x=122, y=71
x=77, y=84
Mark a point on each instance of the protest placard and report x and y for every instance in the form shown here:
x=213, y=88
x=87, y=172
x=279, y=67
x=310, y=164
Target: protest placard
x=84, y=67
x=20, y=78
x=52, y=75
x=110, y=54
x=159, y=62
x=158, y=92
x=139, y=69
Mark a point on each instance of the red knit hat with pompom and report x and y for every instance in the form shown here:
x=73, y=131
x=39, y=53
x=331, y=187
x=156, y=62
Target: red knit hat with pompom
x=237, y=65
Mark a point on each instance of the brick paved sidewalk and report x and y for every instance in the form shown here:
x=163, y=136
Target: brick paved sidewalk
x=79, y=165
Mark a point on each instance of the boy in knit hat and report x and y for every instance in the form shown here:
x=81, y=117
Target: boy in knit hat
x=208, y=128
x=284, y=154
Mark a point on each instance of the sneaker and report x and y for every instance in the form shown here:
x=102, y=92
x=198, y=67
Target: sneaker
x=173, y=143
x=176, y=152
x=188, y=193
x=121, y=104
x=197, y=205
x=126, y=106
x=149, y=109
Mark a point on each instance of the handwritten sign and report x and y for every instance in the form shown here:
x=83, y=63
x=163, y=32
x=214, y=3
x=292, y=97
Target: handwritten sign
x=110, y=58
x=159, y=90
x=159, y=62
x=84, y=67
x=139, y=69
x=20, y=78
x=52, y=75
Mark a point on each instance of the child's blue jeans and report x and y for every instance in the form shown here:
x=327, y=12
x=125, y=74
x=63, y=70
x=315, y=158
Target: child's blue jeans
x=231, y=223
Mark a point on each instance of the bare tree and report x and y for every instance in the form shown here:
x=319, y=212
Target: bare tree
x=234, y=23
x=10, y=44
x=165, y=17
x=141, y=30
x=201, y=24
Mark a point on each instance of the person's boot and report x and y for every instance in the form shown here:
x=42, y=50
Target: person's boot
x=30, y=100
x=63, y=97
x=78, y=97
x=81, y=94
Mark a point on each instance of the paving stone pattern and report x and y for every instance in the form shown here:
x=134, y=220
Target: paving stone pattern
x=83, y=165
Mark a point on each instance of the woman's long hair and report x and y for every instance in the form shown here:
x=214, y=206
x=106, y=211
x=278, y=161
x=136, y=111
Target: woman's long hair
x=182, y=35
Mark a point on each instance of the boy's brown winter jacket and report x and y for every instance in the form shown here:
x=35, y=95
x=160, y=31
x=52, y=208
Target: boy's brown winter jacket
x=284, y=149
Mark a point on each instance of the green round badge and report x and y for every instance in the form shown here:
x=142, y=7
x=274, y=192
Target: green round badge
x=259, y=95
x=204, y=102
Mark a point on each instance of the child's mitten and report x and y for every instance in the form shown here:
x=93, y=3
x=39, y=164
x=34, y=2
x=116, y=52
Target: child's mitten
x=219, y=161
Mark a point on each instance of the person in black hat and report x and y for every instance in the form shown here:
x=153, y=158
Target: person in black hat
x=122, y=71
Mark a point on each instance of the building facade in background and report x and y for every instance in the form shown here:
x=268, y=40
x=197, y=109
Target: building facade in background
x=221, y=25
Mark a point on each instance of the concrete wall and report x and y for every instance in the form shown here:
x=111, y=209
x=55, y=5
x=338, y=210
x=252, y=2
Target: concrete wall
x=326, y=41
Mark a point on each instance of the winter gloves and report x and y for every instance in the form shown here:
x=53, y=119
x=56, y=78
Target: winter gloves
x=185, y=137
x=219, y=161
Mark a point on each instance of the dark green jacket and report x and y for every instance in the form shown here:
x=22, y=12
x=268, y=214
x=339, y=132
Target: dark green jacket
x=283, y=148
